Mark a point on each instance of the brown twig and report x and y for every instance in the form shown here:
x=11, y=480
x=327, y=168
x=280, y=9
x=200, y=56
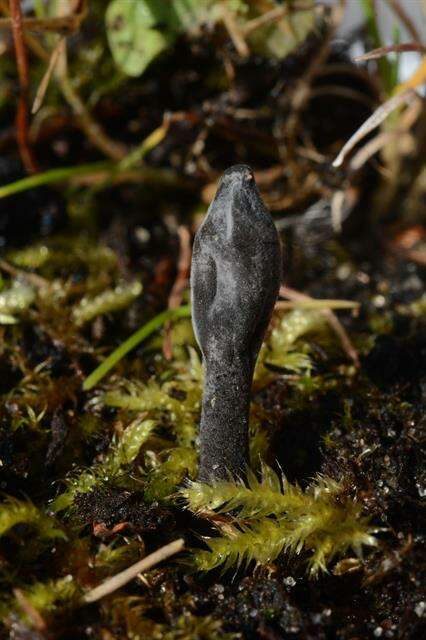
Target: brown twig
x=33, y=278
x=235, y=32
x=122, y=578
x=56, y=24
x=28, y=608
x=405, y=19
x=41, y=91
x=180, y=284
x=92, y=129
x=376, y=119
x=25, y=151
x=274, y=15
x=405, y=122
x=266, y=18
x=332, y=319
x=392, y=48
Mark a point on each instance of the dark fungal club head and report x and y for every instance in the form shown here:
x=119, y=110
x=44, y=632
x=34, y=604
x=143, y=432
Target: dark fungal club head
x=235, y=278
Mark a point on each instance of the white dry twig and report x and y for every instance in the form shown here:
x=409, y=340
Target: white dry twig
x=379, y=115
x=122, y=578
x=41, y=91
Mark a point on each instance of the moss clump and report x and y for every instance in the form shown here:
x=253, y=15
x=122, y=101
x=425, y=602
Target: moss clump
x=286, y=347
x=44, y=597
x=166, y=475
x=111, y=467
x=14, y=512
x=274, y=516
x=14, y=301
x=177, y=400
x=108, y=301
x=132, y=614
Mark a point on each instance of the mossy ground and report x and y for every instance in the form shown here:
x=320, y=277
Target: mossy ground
x=364, y=428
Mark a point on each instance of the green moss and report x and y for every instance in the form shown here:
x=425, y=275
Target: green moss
x=286, y=347
x=14, y=512
x=274, y=516
x=164, y=479
x=115, y=557
x=177, y=401
x=108, y=301
x=15, y=300
x=61, y=254
x=112, y=467
x=133, y=614
x=45, y=597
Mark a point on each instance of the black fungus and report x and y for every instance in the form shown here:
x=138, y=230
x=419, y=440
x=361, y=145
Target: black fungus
x=235, y=279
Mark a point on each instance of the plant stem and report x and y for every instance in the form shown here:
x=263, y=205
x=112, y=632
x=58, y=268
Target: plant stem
x=92, y=129
x=132, y=342
x=54, y=175
x=112, y=584
x=23, y=73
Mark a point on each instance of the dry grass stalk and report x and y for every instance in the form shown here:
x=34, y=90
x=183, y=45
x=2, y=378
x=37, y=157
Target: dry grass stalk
x=122, y=578
x=332, y=319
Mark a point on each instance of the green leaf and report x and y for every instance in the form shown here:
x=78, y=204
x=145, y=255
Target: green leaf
x=281, y=37
x=132, y=34
x=139, y=30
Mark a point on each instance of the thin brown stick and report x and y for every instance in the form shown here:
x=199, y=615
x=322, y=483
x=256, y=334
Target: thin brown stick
x=93, y=130
x=316, y=304
x=337, y=204
x=122, y=578
x=273, y=16
x=264, y=19
x=35, y=616
x=370, y=149
x=405, y=19
x=180, y=284
x=235, y=32
x=405, y=122
x=376, y=119
x=33, y=278
x=22, y=137
x=392, y=48
x=41, y=91
x=332, y=319
x=56, y=24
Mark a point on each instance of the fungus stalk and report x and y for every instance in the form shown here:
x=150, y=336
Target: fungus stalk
x=235, y=278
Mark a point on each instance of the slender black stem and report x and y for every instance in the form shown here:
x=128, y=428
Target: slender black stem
x=225, y=419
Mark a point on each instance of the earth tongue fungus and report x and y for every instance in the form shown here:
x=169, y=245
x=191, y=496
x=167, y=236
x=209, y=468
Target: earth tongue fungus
x=235, y=278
